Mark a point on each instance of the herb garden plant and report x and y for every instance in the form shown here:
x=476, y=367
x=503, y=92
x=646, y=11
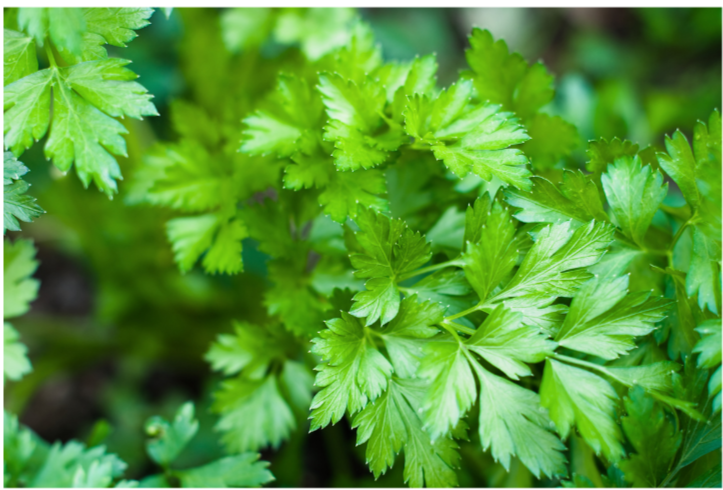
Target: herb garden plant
x=442, y=276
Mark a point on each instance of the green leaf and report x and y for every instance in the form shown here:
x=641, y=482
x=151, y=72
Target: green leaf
x=709, y=346
x=634, y=192
x=290, y=290
x=17, y=205
x=577, y=198
x=680, y=165
x=710, y=479
x=19, y=289
x=15, y=355
x=505, y=78
x=27, y=110
x=250, y=349
x=245, y=28
x=405, y=336
x=347, y=190
x=317, y=30
x=190, y=237
x=555, y=264
x=19, y=59
x=72, y=464
x=390, y=249
x=20, y=450
x=468, y=138
x=604, y=319
x=709, y=357
x=452, y=389
x=167, y=440
x=86, y=97
x=704, y=273
x=491, y=257
x=182, y=176
x=576, y=397
x=503, y=341
x=115, y=26
x=380, y=301
x=243, y=470
x=448, y=288
x=353, y=371
x=391, y=425
x=80, y=33
x=697, y=172
x=551, y=139
x=291, y=111
x=253, y=413
x=64, y=26
x=354, y=119
x=653, y=437
x=508, y=412
x=602, y=153
x=224, y=255
x=653, y=378
x=683, y=320
x=513, y=423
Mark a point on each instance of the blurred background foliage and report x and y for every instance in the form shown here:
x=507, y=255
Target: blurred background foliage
x=118, y=334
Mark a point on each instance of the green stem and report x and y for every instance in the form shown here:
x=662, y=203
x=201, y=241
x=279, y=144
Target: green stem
x=682, y=228
x=431, y=268
x=468, y=311
x=590, y=365
x=51, y=57
x=418, y=145
x=460, y=328
x=451, y=330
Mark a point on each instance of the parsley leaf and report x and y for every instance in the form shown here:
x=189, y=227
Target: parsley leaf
x=602, y=153
x=603, y=318
x=168, y=440
x=19, y=59
x=19, y=289
x=86, y=96
x=15, y=355
x=16, y=205
x=353, y=371
x=253, y=413
x=243, y=470
x=390, y=249
x=575, y=198
x=653, y=437
x=697, y=173
x=577, y=397
x=391, y=425
x=508, y=412
x=468, y=138
x=551, y=139
x=257, y=405
x=709, y=356
x=505, y=78
x=634, y=192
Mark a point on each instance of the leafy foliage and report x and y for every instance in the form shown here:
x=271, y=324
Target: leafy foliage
x=565, y=322
x=87, y=88
x=16, y=204
x=167, y=441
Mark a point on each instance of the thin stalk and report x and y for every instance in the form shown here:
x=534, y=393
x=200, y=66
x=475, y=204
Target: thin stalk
x=51, y=57
x=682, y=228
x=468, y=311
x=452, y=331
x=431, y=268
x=590, y=365
x=461, y=328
